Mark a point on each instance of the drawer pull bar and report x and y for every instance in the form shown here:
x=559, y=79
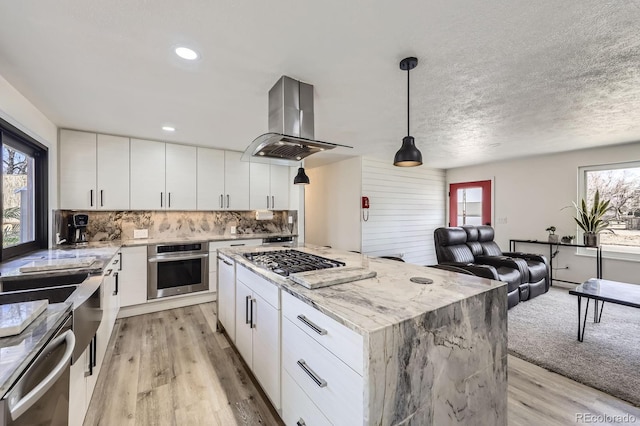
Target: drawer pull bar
x=308, y=323
x=320, y=382
x=226, y=262
x=301, y=422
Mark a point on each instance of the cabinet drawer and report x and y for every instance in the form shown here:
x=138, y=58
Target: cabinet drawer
x=214, y=245
x=297, y=408
x=268, y=291
x=344, y=343
x=329, y=383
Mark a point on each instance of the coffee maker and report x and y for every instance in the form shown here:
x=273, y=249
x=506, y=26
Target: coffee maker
x=77, y=229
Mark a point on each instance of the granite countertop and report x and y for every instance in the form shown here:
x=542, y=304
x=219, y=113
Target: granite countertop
x=375, y=303
x=17, y=352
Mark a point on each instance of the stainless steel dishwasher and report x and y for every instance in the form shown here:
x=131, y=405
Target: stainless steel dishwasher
x=41, y=395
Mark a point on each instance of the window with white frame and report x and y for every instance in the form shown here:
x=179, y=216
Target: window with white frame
x=619, y=183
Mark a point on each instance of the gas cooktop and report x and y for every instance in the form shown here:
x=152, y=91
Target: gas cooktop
x=285, y=262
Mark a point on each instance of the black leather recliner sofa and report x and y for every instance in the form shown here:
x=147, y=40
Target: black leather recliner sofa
x=473, y=250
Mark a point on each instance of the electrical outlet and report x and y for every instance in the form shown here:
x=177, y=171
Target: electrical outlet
x=233, y=229
x=140, y=233
x=290, y=220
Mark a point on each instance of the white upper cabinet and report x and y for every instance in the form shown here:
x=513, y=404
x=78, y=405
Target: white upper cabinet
x=210, y=192
x=181, y=177
x=94, y=171
x=147, y=175
x=113, y=173
x=236, y=182
x=269, y=187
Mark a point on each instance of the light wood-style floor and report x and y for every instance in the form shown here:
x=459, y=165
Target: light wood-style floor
x=172, y=368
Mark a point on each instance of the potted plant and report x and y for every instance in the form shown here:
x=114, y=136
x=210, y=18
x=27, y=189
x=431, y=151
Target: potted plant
x=553, y=238
x=590, y=219
x=567, y=239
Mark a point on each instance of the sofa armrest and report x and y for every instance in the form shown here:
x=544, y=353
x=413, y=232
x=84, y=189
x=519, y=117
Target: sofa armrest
x=484, y=271
x=510, y=262
x=527, y=256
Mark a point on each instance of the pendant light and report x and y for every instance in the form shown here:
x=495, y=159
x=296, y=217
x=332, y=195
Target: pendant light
x=301, y=178
x=408, y=155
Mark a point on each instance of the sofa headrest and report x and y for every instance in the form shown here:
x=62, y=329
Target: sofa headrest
x=485, y=233
x=450, y=236
x=472, y=233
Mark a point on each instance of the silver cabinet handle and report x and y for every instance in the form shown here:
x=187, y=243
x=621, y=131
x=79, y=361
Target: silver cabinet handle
x=19, y=407
x=301, y=422
x=267, y=201
x=246, y=309
x=273, y=202
x=221, y=201
x=101, y=199
x=91, y=197
x=319, y=381
x=321, y=331
x=227, y=200
x=226, y=262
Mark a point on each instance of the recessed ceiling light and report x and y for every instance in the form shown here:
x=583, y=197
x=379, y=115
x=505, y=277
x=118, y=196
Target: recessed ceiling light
x=168, y=128
x=186, y=53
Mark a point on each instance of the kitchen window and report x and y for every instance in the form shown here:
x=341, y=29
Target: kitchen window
x=24, y=192
x=619, y=183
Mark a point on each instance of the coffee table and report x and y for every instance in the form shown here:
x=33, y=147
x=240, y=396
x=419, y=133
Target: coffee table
x=604, y=291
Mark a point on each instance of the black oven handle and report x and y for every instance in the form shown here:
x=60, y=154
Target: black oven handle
x=176, y=257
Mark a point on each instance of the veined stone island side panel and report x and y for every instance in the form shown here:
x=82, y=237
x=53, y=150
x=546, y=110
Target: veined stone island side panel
x=448, y=366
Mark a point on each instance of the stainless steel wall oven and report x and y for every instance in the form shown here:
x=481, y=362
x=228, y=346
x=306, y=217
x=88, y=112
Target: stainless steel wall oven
x=177, y=269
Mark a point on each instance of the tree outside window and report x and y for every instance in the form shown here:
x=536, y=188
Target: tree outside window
x=622, y=187
x=18, y=223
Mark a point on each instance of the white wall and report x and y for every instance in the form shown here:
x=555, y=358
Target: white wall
x=407, y=204
x=332, y=205
x=531, y=194
x=18, y=111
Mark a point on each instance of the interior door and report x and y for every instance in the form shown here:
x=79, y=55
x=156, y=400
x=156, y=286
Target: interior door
x=470, y=203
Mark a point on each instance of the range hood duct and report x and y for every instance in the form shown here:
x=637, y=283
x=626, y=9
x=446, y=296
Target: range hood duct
x=291, y=131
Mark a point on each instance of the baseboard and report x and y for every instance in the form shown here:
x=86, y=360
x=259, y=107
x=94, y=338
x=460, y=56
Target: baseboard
x=167, y=303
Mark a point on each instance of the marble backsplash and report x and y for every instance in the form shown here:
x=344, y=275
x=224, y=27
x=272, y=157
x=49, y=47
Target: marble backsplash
x=119, y=225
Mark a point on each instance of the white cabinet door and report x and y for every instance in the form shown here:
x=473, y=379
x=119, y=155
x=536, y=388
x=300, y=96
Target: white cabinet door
x=266, y=347
x=210, y=179
x=279, y=187
x=259, y=196
x=147, y=175
x=181, y=177
x=77, y=170
x=243, y=327
x=78, y=390
x=236, y=181
x=112, y=173
x=227, y=297
x=132, y=279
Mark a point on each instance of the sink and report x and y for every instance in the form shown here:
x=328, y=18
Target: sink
x=52, y=294
x=33, y=283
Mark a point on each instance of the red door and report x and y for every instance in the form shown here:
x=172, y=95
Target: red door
x=470, y=203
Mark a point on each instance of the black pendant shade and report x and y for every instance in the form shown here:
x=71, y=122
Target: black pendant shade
x=408, y=155
x=301, y=178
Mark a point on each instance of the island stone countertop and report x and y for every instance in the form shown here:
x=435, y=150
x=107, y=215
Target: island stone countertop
x=432, y=353
x=17, y=352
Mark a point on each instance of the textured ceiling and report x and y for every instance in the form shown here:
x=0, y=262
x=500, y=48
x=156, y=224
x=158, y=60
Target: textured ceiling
x=496, y=79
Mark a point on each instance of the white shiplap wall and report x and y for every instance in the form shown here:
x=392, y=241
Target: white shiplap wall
x=407, y=204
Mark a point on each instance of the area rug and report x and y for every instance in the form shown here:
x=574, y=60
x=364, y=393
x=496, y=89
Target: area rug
x=544, y=332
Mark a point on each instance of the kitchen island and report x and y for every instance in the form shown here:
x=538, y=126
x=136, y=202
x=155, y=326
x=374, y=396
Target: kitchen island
x=403, y=351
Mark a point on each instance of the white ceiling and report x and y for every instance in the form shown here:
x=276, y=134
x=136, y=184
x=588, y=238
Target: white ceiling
x=496, y=79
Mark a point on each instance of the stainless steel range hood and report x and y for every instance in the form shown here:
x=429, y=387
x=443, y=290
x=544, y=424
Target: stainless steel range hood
x=290, y=137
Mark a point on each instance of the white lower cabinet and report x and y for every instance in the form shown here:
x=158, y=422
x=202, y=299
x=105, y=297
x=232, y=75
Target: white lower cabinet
x=132, y=277
x=227, y=295
x=325, y=360
x=297, y=408
x=258, y=330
